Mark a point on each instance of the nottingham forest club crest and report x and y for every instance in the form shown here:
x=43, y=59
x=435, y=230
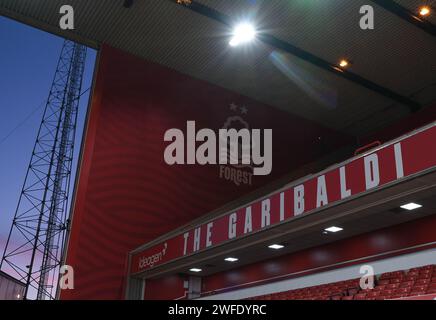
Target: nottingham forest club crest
x=237, y=173
x=238, y=150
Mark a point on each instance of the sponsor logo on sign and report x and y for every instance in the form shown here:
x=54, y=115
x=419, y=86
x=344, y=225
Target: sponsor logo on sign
x=150, y=261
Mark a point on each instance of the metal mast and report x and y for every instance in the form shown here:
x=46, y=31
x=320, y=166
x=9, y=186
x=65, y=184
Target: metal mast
x=33, y=252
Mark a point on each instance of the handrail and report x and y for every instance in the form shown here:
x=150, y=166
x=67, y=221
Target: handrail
x=367, y=147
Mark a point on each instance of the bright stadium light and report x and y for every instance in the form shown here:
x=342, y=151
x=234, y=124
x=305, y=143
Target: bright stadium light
x=334, y=229
x=195, y=270
x=411, y=206
x=344, y=63
x=424, y=11
x=243, y=33
x=231, y=259
x=276, y=246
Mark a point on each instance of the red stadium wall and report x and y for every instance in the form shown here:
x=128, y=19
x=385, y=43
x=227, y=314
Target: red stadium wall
x=382, y=243
x=169, y=288
x=127, y=195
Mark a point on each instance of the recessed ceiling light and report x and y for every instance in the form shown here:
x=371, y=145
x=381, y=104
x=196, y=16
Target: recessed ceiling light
x=230, y=259
x=424, y=11
x=243, y=33
x=334, y=229
x=411, y=206
x=195, y=270
x=276, y=246
x=344, y=63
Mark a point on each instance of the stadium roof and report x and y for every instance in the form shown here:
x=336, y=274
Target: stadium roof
x=289, y=66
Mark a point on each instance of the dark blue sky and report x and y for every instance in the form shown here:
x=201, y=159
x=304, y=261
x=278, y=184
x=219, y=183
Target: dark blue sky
x=28, y=59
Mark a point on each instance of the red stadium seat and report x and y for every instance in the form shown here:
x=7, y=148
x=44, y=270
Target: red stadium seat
x=431, y=288
x=421, y=282
x=380, y=288
x=373, y=294
x=387, y=293
x=428, y=267
x=395, y=280
x=432, y=285
x=425, y=271
x=424, y=276
x=406, y=284
x=360, y=296
x=404, y=292
x=391, y=285
x=353, y=291
x=416, y=293
x=413, y=277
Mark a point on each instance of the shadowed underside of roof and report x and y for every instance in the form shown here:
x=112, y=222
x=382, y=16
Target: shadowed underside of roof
x=397, y=56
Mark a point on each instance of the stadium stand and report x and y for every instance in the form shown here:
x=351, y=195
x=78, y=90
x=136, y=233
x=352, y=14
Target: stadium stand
x=390, y=285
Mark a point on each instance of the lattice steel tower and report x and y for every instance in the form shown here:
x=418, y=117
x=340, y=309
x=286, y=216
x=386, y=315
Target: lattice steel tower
x=34, y=249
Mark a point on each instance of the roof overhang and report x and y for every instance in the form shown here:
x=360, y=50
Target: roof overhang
x=291, y=66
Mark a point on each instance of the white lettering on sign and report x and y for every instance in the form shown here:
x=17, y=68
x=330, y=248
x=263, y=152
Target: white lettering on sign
x=299, y=200
x=266, y=216
x=209, y=234
x=150, y=261
x=282, y=206
x=321, y=193
x=197, y=234
x=372, y=174
x=399, y=161
x=364, y=173
x=232, y=225
x=248, y=226
x=345, y=192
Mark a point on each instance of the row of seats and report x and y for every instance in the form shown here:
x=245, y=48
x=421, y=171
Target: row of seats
x=390, y=285
x=400, y=284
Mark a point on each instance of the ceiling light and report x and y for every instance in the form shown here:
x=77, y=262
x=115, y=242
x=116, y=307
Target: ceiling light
x=276, y=246
x=195, y=270
x=230, y=259
x=243, y=33
x=344, y=63
x=411, y=206
x=334, y=229
x=424, y=11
